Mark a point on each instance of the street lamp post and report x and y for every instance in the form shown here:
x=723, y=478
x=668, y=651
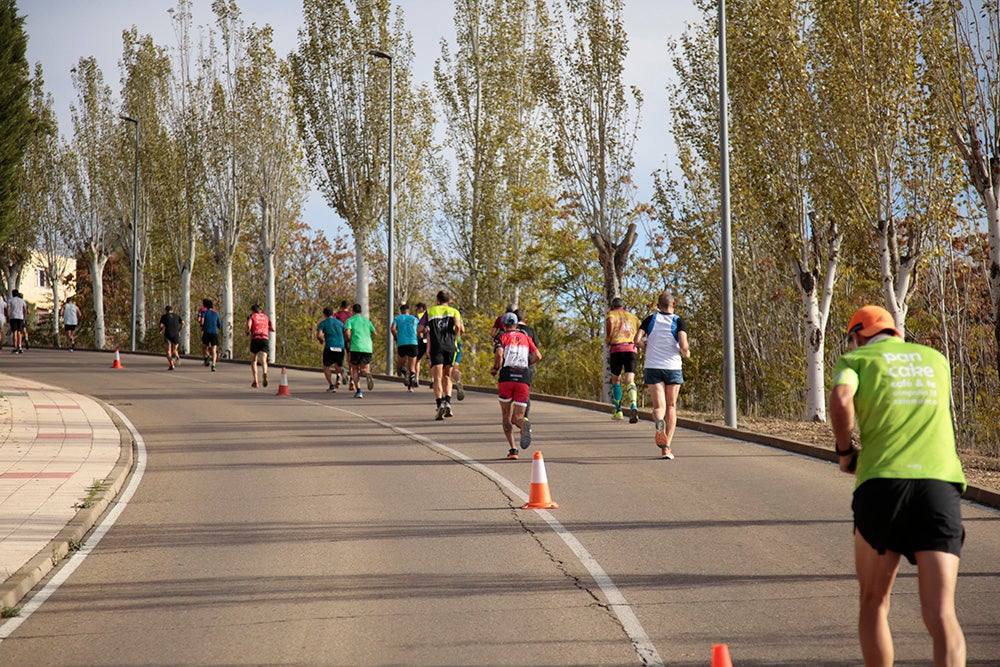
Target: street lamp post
x=135, y=232
x=390, y=222
x=728, y=342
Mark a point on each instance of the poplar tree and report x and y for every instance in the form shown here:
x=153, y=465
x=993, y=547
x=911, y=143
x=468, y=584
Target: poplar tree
x=594, y=118
x=16, y=120
x=341, y=114
x=92, y=178
x=274, y=161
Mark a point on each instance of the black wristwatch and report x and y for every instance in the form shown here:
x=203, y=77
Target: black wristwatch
x=844, y=452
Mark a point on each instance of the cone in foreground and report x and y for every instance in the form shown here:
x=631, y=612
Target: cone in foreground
x=539, y=497
x=720, y=656
x=283, y=385
x=118, y=360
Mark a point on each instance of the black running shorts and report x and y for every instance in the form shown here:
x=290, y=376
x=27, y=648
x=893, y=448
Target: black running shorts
x=909, y=515
x=622, y=362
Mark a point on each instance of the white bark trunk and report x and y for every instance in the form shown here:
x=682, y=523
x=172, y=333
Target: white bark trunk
x=227, y=310
x=271, y=306
x=361, y=269
x=55, y=313
x=185, y=310
x=97, y=282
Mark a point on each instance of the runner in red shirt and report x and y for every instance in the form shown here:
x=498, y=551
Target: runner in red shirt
x=514, y=353
x=259, y=328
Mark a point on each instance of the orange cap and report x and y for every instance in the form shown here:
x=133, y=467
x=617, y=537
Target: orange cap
x=872, y=320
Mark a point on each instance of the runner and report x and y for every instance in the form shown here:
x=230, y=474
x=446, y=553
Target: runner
x=330, y=332
x=3, y=320
x=259, y=328
x=664, y=337
x=71, y=319
x=343, y=315
x=620, y=327
x=360, y=331
x=444, y=325
x=514, y=354
x=17, y=316
x=170, y=326
x=404, y=330
x=908, y=480
x=211, y=323
x=456, y=372
x=522, y=325
x=421, y=340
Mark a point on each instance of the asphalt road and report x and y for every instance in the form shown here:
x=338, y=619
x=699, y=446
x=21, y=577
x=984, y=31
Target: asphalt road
x=317, y=529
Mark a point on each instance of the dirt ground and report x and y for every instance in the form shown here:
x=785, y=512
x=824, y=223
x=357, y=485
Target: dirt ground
x=980, y=471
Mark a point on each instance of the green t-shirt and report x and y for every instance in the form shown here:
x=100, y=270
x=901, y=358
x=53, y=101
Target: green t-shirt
x=361, y=329
x=902, y=401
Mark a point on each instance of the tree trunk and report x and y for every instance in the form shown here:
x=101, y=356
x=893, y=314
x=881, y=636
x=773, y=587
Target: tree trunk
x=361, y=268
x=612, y=257
x=55, y=313
x=97, y=282
x=140, y=305
x=227, y=308
x=271, y=305
x=185, y=309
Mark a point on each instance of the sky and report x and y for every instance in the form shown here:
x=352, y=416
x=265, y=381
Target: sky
x=60, y=32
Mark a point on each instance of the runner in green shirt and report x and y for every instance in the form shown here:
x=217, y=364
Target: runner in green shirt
x=909, y=479
x=359, y=332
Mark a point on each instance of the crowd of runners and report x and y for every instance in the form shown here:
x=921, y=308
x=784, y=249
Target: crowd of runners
x=435, y=334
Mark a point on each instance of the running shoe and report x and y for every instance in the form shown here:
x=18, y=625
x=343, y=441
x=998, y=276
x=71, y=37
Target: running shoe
x=633, y=415
x=512, y=454
x=265, y=379
x=617, y=415
x=414, y=381
x=525, y=433
x=213, y=368
x=440, y=413
x=371, y=382
x=665, y=453
x=332, y=388
x=336, y=382
x=447, y=410
x=358, y=394
x=170, y=367
x=254, y=385
x=661, y=434
x=460, y=390
x=207, y=362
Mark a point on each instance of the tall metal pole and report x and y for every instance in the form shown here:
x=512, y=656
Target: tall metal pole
x=390, y=306
x=135, y=233
x=728, y=338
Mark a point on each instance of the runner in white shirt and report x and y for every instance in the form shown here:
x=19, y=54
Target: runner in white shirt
x=664, y=337
x=71, y=319
x=17, y=311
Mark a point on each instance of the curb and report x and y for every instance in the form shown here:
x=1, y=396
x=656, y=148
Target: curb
x=51, y=555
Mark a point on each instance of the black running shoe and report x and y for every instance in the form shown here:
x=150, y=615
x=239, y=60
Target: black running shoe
x=633, y=415
x=512, y=454
x=525, y=433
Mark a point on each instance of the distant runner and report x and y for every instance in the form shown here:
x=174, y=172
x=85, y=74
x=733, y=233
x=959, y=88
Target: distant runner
x=359, y=332
x=514, y=353
x=259, y=328
x=620, y=328
x=330, y=332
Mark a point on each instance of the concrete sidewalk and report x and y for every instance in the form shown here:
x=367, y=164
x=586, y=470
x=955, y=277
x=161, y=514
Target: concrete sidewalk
x=63, y=459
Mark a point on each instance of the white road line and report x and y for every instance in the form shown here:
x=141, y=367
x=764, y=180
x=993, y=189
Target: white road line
x=93, y=539
x=633, y=628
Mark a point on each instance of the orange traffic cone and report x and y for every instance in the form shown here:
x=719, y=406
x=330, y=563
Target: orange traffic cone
x=118, y=360
x=720, y=656
x=283, y=385
x=538, y=496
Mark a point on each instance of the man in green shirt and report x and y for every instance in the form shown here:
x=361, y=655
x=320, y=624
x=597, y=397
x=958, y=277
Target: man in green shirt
x=359, y=332
x=909, y=479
